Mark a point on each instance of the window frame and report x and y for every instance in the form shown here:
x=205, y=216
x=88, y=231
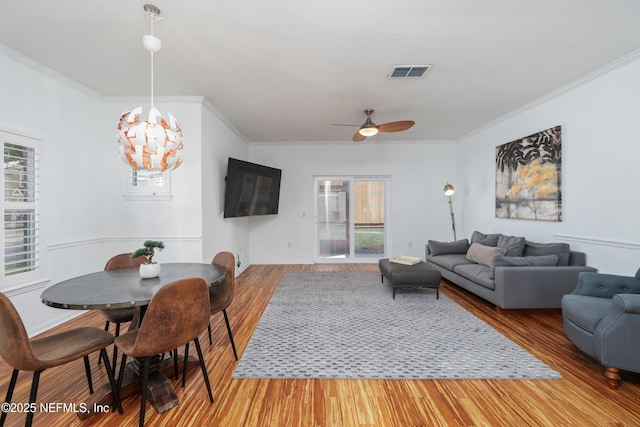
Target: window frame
x=349, y=204
x=151, y=192
x=36, y=274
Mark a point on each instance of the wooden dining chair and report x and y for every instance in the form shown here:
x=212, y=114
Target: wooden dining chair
x=177, y=314
x=221, y=295
x=120, y=315
x=38, y=354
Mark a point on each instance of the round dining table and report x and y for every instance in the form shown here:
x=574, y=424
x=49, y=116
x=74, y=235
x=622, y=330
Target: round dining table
x=121, y=288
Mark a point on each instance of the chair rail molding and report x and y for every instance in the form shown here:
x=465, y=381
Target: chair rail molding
x=186, y=239
x=74, y=243
x=23, y=288
x=599, y=241
x=101, y=240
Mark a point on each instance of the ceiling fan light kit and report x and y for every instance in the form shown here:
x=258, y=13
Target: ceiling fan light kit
x=368, y=131
x=369, y=128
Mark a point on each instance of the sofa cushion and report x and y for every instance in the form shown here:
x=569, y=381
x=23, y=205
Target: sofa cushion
x=449, y=261
x=509, y=261
x=440, y=248
x=514, y=245
x=482, y=254
x=477, y=273
x=560, y=249
x=585, y=311
x=484, y=239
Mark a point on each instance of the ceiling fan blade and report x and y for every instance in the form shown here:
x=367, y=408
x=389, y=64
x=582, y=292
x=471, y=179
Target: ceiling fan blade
x=396, y=126
x=342, y=124
x=357, y=137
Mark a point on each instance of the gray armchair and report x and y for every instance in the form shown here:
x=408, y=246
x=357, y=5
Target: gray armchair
x=602, y=318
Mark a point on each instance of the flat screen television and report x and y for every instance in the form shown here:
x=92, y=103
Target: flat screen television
x=251, y=189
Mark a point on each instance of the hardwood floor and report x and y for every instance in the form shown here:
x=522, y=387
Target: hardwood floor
x=581, y=398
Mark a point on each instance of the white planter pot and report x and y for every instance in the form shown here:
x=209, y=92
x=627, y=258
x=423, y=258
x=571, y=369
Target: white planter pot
x=149, y=271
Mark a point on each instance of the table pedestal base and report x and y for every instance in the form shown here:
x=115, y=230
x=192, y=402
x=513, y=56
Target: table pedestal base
x=160, y=391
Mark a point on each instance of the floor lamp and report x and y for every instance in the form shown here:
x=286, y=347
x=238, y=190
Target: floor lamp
x=448, y=191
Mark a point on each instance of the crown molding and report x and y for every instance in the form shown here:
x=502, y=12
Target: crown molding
x=36, y=66
x=144, y=99
x=618, y=63
x=206, y=102
x=350, y=142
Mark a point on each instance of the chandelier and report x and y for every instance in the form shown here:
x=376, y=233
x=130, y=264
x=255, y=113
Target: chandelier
x=154, y=144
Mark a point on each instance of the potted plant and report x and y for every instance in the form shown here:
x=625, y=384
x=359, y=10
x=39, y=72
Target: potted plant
x=149, y=269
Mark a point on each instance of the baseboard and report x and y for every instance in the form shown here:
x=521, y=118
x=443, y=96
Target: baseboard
x=507, y=311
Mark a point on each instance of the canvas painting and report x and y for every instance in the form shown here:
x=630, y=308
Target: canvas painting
x=529, y=177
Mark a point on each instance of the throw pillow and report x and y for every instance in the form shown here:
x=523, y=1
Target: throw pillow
x=536, y=261
x=513, y=245
x=441, y=248
x=536, y=249
x=481, y=254
x=484, y=239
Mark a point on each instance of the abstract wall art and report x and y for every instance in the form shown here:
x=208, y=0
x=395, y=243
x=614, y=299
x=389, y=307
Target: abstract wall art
x=529, y=177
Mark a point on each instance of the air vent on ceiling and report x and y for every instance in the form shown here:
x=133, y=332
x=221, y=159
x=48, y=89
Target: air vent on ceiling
x=409, y=71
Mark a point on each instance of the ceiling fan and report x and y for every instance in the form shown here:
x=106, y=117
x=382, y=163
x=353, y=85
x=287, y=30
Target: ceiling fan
x=368, y=128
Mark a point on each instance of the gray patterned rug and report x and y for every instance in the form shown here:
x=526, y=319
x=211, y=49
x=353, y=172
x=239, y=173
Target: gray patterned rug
x=346, y=325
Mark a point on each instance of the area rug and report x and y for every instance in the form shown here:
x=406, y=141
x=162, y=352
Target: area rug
x=347, y=325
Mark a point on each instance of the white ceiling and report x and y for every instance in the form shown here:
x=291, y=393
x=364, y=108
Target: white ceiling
x=285, y=70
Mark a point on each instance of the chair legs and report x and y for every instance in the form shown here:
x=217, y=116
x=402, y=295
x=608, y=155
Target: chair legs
x=106, y=329
x=613, y=377
x=143, y=397
x=203, y=368
x=112, y=381
x=7, y=399
x=36, y=380
x=143, y=388
x=115, y=348
x=145, y=376
x=205, y=375
x=123, y=365
x=87, y=369
x=185, y=364
x=32, y=396
x=233, y=344
x=175, y=362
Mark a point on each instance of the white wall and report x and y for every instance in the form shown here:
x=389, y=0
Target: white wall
x=67, y=117
x=419, y=210
x=219, y=142
x=600, y=173
x=176, y=222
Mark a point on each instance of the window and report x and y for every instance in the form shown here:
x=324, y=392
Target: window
x=145, y=185
x=21, y=232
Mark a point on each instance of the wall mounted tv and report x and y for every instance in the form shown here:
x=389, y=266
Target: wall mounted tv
x=251, y=189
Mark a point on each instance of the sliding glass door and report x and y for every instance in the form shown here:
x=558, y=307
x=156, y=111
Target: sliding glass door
x=351, y=218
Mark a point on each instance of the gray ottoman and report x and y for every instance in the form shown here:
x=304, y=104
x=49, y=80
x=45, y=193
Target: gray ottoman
x=419, y=275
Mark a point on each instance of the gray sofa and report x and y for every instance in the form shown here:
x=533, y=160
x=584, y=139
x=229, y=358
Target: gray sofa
x=509, y=271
